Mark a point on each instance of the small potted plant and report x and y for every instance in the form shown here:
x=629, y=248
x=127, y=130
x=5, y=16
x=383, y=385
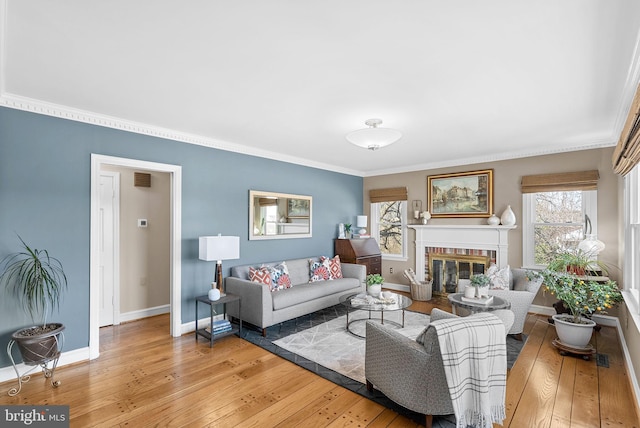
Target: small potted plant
x=582, y=298
x=481, y=282
x=577, y=262
x=347, y=230
x=37, y=281
x=374, y=283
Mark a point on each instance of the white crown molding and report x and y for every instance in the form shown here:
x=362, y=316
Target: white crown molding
x=496, y=157
x=63, y=112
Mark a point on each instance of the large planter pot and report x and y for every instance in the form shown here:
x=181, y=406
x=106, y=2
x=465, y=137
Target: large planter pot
x=37, y=346
x=573, y=334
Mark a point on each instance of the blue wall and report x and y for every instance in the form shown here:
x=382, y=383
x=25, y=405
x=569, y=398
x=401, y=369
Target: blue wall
x=45, y=198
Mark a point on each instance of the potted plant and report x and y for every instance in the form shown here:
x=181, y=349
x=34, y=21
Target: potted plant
x=347, y=230
x=37, y=281
x=374, y=283
x=481, y=283
x=577, y=262
x=582, y=298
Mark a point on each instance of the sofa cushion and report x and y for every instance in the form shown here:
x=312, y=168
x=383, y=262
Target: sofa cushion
x=260, y=275
x=280, y=278
x=335, y=269
x=319, y=270
x=500, y=278
x=311, y=291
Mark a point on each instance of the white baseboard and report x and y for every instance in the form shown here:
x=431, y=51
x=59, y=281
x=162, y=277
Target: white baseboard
x=542, y=310
x=397, y=287
x=66, y=358
x=190, y=327
x=144, y=313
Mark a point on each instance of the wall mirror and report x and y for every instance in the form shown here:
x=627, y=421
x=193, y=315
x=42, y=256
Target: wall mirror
x=279, y=215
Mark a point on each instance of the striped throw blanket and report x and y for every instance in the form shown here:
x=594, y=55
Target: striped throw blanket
x=474, y=355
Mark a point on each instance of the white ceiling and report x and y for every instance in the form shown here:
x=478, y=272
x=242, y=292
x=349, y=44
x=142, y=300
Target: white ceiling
x=465, y=81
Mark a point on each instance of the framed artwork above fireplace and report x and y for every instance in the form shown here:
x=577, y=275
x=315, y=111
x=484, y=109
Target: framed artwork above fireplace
x=463, y=194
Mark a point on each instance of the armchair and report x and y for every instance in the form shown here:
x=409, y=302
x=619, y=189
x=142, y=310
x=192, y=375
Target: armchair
x=521, y=293
x=419, y=383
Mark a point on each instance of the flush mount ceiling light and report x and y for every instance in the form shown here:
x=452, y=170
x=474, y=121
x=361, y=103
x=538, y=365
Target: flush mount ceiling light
x=373, y=138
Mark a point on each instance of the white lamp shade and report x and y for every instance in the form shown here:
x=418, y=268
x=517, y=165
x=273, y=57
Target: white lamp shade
x=361, y=221
x=591, y=245
x=373, y=138
x=219, y=247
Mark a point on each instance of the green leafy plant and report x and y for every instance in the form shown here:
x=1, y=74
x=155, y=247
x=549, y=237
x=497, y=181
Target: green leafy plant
x=480, y=280
x=347, y=227
x=577, y=262
x=36, y=279
x=373, y=279
x=580, y=296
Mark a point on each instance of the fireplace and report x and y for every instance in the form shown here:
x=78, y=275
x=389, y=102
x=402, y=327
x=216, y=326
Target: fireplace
x=459, y=251
x=447, y=268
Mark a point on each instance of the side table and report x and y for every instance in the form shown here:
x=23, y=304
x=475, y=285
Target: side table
x=212, y=303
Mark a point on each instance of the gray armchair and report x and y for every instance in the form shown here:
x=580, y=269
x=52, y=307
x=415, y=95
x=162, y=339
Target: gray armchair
x=521, y=294
x=411, y=373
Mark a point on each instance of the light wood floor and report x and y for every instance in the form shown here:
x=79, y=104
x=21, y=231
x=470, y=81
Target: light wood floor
x=144, y=377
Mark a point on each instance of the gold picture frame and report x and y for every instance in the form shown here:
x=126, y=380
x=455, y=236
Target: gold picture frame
x=462, y=194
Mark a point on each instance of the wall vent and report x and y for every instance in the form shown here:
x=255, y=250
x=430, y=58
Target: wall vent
x=141, y=179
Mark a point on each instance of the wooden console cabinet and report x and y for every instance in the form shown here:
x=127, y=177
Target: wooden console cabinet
x=360, y=251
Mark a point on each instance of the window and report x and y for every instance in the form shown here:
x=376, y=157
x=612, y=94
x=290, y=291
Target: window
x=554, y=221
x=389, y=227
x=632, y=240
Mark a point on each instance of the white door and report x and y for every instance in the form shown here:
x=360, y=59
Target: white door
x=109, y=197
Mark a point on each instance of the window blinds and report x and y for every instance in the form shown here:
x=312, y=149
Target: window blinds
x=390, y=194
x=627, y=153
x=581, y=180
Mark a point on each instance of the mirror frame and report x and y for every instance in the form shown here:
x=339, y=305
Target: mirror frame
x=253, y=194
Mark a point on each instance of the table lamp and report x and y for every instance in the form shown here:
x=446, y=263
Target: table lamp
x=361, y=221
x=219, y=248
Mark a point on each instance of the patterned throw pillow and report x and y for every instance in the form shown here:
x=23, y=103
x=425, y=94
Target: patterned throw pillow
x=499, y=277
x=280, y=278
x=335, y=269
x=319, y=270
x=261, y=275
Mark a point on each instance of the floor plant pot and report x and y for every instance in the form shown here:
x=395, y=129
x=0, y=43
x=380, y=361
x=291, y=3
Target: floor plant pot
x=37, y=346
x=573, y=334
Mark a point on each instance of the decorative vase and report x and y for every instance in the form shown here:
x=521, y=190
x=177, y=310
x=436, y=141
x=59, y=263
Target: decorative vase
x=482, y=291
x=508, y=218
x=572, y=334
x=374, y=290
x=214, y=294
x=493, y=220
x=470, y=291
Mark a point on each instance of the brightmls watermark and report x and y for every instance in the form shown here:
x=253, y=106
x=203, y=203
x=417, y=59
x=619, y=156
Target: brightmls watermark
x=34, y=416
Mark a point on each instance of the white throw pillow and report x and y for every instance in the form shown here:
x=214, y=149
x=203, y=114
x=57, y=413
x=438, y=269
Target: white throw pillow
x=499, y=277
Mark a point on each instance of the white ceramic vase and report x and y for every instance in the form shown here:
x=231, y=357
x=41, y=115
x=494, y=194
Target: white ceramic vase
x=572, y=334
x=508, y=218
x=470, y=291
x=374, y=290
x=214, y=294
x=493, y=220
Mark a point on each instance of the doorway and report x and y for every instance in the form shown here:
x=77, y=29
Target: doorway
x=175, y=172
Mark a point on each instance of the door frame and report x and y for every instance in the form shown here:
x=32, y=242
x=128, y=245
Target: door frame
x=175, y=239
x=116, y=244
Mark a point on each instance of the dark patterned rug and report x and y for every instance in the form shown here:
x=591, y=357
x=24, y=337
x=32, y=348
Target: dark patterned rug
x=288, y=328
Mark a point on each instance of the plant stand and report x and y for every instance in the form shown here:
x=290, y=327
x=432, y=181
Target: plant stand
x=48, y=372
x=565, y=350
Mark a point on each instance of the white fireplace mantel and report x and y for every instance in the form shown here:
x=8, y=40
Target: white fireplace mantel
x=476, y=237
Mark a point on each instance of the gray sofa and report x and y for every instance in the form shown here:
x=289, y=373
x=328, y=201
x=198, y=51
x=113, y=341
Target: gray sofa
x=264, y=308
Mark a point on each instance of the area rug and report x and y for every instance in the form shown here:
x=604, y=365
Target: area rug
x=336, y=316
x=332, y=346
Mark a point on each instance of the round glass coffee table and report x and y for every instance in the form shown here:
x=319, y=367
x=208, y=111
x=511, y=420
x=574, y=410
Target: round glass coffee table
x=364, y=302
x=457, y=301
